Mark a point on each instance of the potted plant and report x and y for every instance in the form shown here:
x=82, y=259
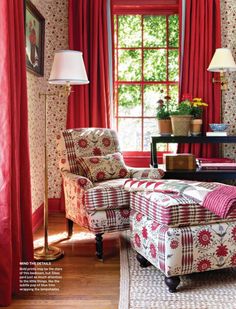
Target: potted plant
x=196, y=122
x=164, y=127
x=181, y=117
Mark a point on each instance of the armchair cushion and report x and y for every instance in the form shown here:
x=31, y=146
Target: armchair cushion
x=107, y=195
x=99, y=168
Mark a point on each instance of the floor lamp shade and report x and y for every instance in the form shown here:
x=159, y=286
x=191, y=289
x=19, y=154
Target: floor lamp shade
x=68, y=68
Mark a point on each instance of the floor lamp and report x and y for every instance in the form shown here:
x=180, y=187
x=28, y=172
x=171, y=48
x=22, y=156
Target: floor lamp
x=67, y=69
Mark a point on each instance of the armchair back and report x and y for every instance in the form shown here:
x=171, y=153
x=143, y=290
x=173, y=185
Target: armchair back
x=85, y=142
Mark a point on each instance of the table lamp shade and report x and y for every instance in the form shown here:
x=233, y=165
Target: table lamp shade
x=222, y=61
x=68, y=68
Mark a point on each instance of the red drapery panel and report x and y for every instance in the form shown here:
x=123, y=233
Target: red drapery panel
x=202, y=37
x=89, y=106
x=16, y=242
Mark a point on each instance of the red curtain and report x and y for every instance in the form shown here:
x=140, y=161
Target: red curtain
x=89, y=105
x=202, y=36
x=16, y=242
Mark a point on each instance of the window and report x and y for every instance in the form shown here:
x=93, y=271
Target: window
x=146, y=68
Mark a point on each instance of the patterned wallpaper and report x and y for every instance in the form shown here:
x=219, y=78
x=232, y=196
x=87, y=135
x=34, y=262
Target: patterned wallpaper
x=228, y=24
x=56, y=37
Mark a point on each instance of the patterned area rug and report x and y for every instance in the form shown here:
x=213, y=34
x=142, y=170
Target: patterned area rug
x=144, y=288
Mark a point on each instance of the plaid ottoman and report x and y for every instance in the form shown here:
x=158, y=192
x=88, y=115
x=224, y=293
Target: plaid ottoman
x=179, y=236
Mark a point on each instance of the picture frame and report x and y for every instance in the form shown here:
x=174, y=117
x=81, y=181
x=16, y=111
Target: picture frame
x=34, y=39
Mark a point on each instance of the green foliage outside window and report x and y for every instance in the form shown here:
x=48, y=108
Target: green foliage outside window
x=141, y=83
x=129, y=100
x=129, y=33
x=152, y=37
x=173, y=30
x=173, y=66
x=154, y=65
x=129, y=65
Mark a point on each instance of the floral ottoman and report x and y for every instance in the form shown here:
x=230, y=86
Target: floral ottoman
x=179, y=236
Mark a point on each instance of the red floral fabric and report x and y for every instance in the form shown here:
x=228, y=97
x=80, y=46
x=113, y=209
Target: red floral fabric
x=99, y=205
x=101, y=168
x=184, y=250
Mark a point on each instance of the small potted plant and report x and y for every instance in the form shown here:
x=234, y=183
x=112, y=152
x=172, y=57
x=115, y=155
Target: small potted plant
x=181, y=117
x=196, y=122
x=163, y=117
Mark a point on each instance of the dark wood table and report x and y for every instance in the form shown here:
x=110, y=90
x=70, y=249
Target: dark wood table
x=198, y=174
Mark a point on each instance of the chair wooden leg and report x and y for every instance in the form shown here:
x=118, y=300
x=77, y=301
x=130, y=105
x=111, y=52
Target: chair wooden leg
x=172, y=283
x=99, y=246
x=69, y=227
x=142, y=261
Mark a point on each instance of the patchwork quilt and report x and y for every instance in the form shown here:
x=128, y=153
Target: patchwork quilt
x=218, y=198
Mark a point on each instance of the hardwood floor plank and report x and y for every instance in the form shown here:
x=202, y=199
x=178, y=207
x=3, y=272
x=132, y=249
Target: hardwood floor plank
x=86, y=282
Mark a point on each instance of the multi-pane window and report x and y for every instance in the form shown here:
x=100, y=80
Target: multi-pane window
x=146, y=68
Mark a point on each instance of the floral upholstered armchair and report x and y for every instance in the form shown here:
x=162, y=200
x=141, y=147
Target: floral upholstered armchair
x=94, y=174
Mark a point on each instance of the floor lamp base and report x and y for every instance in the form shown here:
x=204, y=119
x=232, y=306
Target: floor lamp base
x=50, y=254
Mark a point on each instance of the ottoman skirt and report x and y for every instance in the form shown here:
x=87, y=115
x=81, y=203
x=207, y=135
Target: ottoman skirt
x=184, y=250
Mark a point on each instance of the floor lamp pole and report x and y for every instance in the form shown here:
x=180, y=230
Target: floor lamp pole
x=46, y=253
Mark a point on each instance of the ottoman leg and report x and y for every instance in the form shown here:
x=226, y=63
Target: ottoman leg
x=142, y=261
x=172, y=283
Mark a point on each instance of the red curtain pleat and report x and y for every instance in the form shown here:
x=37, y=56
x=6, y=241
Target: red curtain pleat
x=16, y=241
x=202, y=37
x=89, y=105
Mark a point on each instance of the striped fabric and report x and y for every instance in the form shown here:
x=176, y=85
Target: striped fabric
x=187, y=250
x=109, y=197
x=227, y=197
x=173, y=210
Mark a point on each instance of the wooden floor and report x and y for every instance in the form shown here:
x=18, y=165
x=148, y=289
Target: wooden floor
x=87, y=283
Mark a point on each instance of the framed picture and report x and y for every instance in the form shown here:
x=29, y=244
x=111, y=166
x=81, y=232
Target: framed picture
x=34, y=39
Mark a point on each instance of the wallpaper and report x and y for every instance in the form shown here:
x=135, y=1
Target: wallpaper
x=228, y=26
x=56, y=37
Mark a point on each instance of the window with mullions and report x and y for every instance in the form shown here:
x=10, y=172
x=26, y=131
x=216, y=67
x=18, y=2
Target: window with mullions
x=146, y=68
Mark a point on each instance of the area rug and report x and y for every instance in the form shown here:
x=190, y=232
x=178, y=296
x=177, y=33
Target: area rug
x=144, y=288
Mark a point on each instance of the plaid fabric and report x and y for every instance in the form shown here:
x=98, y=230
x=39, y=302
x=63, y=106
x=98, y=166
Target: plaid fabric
x=107, y=195
x=68, y=158
x=173, y=210
x=184, y=250
x=205, y=194
x=187, y=250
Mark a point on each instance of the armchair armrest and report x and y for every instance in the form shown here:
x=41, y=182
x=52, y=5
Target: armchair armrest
x=77, y=180
x=146, y=173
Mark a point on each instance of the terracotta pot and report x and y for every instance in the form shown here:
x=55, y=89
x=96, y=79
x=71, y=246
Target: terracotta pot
x=196, y=127
x=164, y=127
x=181, y=124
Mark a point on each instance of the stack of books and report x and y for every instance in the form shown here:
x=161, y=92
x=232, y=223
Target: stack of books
x=217, y=133
x=218, y=166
